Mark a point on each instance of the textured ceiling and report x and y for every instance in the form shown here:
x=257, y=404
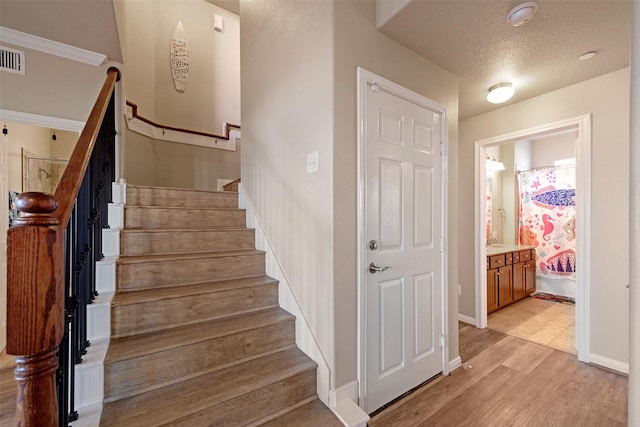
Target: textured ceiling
x=89, y=25
x=471, y=39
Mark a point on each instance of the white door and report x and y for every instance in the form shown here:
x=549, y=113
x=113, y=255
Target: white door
x=402, y=230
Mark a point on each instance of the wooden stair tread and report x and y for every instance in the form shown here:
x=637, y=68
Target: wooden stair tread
x=190, y=190
x=182, y=209
x=139, y=345
x=314, y=413
x=163, y=405
x=183, y=230
x=146, y=295
x=197, y=255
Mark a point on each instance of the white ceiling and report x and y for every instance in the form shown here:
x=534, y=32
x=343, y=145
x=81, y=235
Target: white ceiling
x=469, y=38
x=89, y=25
x=473, y=40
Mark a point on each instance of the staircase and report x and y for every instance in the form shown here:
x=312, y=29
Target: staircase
x=197, y=335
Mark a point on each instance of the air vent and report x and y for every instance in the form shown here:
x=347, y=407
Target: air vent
x=11, y=60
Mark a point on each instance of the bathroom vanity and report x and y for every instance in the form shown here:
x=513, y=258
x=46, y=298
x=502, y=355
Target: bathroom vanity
x=511, y=274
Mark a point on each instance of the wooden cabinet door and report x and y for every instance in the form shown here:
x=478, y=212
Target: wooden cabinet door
x=519, y=287
x=492, y=290
x=530, y=276
x=505, y=285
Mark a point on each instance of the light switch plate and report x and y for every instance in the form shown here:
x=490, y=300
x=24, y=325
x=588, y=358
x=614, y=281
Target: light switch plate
x=312, y=162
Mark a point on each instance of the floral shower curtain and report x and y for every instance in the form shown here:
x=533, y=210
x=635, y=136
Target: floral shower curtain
x=548, y=218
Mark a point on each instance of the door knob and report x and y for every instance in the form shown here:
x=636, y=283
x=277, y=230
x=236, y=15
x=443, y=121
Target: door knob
x=373, y=268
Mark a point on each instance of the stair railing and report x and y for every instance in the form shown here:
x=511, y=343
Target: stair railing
x=51, y=255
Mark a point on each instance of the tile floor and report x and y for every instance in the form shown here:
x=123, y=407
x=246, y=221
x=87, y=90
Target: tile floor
x=543, y=322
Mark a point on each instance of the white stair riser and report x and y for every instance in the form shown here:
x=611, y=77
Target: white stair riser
x=106, y=275
x=116, y=215
x=99, y=320
x=89, y=376
x=111, y=242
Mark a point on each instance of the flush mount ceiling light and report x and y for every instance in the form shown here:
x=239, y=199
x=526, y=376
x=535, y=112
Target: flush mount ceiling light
x=522, y=13
x=587, y=55
x=500, y=93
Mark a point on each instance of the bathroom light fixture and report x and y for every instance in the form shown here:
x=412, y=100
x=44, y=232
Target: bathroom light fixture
x=522, y=13
x=500, y=93
x=494, y=165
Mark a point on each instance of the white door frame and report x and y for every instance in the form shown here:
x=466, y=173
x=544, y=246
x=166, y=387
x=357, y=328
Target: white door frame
x=583, y=237
x=366, y=78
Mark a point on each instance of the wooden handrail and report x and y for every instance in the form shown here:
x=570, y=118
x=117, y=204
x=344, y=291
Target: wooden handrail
x=35, y=273
x=69, y=184
x=227, y=126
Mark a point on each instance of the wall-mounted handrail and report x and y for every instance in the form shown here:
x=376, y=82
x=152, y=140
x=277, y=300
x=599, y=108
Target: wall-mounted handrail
x=36, y=267
x=227, y=126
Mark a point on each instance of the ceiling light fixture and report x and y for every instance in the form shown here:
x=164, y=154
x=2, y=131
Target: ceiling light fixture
x=522, y=13
x=500, y=93
x=587, y=55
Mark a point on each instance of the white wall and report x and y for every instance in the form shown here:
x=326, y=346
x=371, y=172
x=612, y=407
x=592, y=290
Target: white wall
x=606, y=98
x=212, y=96
x=299, y=64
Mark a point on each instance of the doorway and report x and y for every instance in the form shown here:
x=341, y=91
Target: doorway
x=582, y=128
x=28, y=149
x=401, y=229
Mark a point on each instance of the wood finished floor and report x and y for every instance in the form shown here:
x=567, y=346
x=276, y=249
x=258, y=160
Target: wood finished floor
x=508, y=381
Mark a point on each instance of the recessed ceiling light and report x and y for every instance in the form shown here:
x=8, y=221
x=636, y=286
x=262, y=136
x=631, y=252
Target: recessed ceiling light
x=586, y=56
x=500, y=93
x=522, y=13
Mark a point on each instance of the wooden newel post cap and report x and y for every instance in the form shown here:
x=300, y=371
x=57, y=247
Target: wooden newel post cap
x=36, y=209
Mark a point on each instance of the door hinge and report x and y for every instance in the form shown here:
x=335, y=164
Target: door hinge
x=442, y=341
x=443, y=148
x=442, y=244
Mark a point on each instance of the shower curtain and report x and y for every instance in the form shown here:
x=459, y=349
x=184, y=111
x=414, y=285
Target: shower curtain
x=548, y=218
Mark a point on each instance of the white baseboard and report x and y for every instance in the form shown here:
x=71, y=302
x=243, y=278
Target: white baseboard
x=89, y=375
x=605, y=362
x=106, y=274
x=466, y=319
x=305, y=338
x=111, y=242
x=343, y=401
x=99, y=318
x=88, y=416
x=116, y=215
x=455, y=364
x=119, y=193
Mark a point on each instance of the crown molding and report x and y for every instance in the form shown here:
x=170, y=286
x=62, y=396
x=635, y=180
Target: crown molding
x=29, y=41
x=39, y=120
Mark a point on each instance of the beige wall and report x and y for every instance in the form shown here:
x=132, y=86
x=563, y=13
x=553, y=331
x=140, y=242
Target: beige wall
x=357, y=43
x=287, y=112
x=52, y=86
x=212, y=96
x=606, y=98
x=299, y=63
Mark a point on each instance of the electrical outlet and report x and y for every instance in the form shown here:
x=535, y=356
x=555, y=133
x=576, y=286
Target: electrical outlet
x=459, y=290
x=312, y=162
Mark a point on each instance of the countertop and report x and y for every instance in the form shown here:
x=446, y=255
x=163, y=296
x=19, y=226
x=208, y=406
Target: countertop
x=503, y=249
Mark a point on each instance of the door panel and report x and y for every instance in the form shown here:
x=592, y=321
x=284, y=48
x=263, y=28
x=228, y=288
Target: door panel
x=403, y=214
x=390, y=204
